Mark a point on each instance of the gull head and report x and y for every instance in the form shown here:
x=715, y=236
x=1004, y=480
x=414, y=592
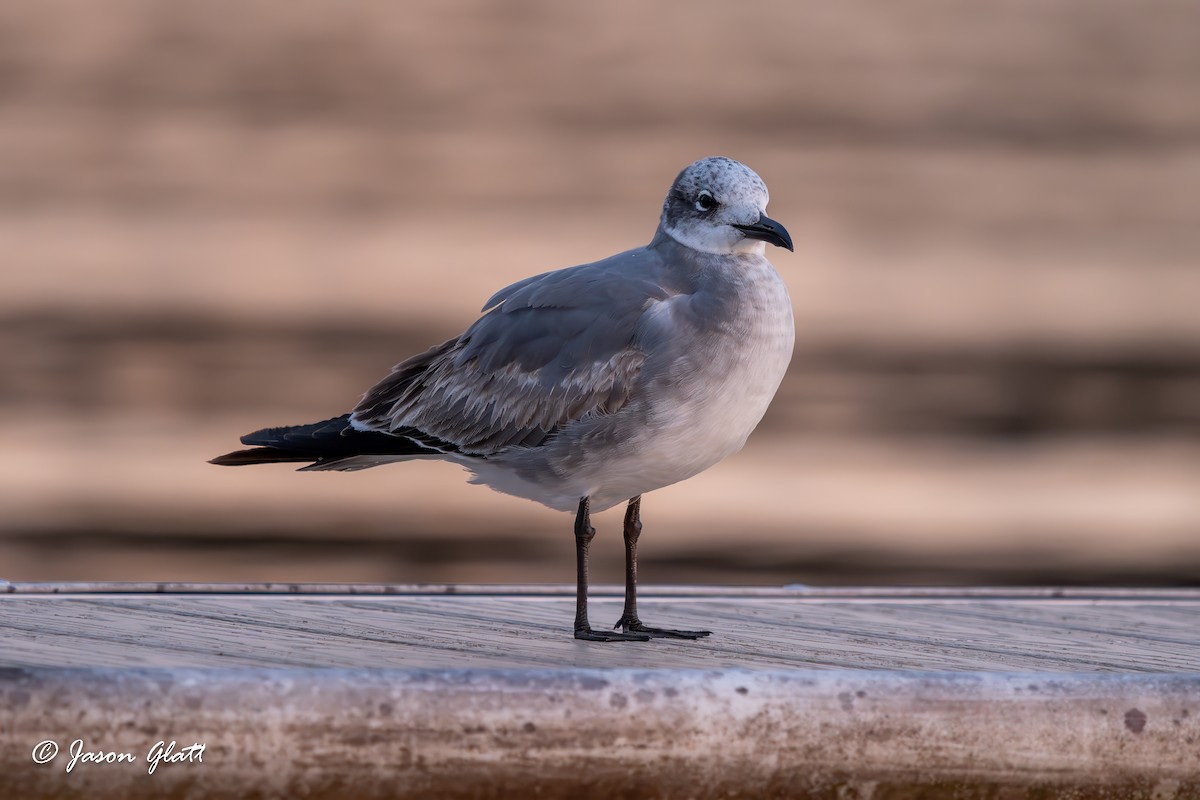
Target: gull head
x=718, y=205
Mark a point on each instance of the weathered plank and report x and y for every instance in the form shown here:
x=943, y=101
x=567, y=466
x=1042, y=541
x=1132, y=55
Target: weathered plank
x=579, y=733
x=528, y=627
x=472, y=691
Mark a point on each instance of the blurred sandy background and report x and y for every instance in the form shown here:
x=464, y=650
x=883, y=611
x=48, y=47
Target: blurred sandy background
x=216, y=216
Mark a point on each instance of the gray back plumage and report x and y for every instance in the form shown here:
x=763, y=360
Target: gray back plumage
x=552, y=349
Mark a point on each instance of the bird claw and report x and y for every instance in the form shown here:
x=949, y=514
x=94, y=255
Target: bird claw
x=635, y=625
x=590, y=635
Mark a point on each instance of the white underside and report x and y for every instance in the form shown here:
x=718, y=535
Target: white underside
x=703, y=415
x=702, y=419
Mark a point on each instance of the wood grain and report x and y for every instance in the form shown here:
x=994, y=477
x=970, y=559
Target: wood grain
x=529, y=627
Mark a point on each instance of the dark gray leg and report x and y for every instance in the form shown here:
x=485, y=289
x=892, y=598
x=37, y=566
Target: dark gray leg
x=629, y=621
x=583, y=539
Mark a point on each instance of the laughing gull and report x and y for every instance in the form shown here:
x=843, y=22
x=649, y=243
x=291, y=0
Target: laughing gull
x=589, y=386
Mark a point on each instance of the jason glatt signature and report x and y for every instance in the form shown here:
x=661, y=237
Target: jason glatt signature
x=159, y=753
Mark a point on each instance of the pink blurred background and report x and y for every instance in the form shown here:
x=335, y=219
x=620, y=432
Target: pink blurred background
x=216, y=216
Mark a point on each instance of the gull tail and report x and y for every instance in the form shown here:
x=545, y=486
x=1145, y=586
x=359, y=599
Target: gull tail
x=332, y=444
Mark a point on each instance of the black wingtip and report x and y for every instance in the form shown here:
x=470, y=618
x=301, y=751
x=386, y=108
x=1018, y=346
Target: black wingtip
x=327, y=442
x=298, y=437
x=259, y=455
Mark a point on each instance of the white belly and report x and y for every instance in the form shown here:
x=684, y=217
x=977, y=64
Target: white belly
x=724, y=393
x=709, y=402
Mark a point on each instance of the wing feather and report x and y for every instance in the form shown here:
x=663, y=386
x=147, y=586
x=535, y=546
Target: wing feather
x=556, y=349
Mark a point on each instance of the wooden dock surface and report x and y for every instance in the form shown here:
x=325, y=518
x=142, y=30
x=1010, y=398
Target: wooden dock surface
x=473, y=627
x=419, y=691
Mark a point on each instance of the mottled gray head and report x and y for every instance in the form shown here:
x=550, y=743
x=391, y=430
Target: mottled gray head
x=717, y=205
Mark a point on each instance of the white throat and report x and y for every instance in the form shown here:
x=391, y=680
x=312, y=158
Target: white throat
x=715, y=240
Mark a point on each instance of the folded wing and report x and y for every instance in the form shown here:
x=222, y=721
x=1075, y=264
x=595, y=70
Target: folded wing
x=556, y=349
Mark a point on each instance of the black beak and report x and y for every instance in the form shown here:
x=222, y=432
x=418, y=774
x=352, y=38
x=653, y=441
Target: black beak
x=768, y=230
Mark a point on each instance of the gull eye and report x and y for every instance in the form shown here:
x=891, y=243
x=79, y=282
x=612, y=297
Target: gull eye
x=705, y=201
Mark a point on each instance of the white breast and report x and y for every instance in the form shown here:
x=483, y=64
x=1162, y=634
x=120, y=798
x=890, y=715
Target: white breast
x=701, y=409
x=718, y=396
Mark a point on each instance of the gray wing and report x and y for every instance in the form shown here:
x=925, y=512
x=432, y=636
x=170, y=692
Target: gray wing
x=559, y=347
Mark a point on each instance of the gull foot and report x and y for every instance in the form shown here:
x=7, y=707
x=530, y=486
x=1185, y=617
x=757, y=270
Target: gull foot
x=635, y=625
x=589, y=635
